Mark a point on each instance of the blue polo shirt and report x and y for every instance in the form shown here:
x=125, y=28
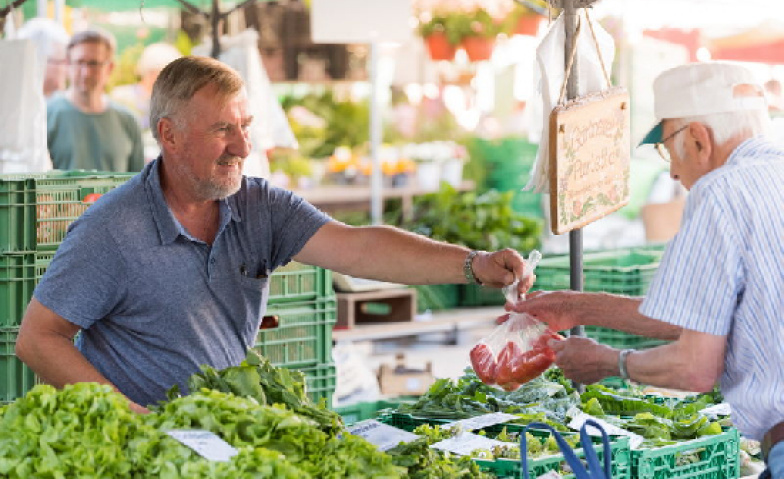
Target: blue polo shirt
x=154, y=303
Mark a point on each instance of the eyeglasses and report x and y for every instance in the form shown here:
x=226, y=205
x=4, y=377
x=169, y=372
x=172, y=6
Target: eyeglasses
x=663, y=151
x=88, y=63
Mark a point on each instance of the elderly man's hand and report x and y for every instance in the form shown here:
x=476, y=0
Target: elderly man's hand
x=559, y=309
x=584, y=360
x=502, y=268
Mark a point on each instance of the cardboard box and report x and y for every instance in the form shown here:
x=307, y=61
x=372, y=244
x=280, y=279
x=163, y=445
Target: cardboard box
x=402, y=381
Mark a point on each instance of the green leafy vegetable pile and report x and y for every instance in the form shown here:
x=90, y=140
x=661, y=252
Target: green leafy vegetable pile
x=660, y=422
x=88, y=430
x=538, y=400
x=423, y=462
x=257, y=378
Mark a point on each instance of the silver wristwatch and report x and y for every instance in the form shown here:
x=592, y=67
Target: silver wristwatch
x=468, y=268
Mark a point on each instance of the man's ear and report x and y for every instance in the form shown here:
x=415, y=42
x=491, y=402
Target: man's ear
x=701, y=137
x=166, y=133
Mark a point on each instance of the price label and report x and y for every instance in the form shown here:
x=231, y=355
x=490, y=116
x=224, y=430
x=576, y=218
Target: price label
x=205, y=443
x=381, y=435
x=479, y=422
x=577, y=422
x=722, y=409
x=465, y=443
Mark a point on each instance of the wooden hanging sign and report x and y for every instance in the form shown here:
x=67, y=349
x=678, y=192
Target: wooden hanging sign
x=590, y=150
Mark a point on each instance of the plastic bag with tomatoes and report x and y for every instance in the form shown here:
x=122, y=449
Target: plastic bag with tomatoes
x=515, y=352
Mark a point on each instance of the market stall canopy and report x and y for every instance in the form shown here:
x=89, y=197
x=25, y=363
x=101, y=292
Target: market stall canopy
x=763, y=44
x=121, y=5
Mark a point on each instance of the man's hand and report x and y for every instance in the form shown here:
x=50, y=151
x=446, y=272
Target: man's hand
x=559, y=309
x=584, y=360
x=502, y=268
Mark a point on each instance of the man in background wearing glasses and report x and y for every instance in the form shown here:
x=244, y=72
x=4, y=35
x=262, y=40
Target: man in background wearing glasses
x=719, y=291
x=85, y=130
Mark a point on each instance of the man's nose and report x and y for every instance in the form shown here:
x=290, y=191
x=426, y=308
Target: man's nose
x=240, y=144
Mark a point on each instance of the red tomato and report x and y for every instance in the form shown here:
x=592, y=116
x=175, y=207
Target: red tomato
x=484, y=363
x=91, y=198
x=506, y=361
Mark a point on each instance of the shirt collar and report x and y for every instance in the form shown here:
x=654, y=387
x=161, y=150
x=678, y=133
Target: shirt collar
x=168, y=226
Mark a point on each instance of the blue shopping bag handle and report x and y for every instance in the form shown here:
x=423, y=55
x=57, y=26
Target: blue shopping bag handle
x=594, y=470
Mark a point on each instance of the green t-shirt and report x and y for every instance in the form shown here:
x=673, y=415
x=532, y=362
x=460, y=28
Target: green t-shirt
x=106, y=141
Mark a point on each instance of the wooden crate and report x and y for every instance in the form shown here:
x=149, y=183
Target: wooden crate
x=383, y=306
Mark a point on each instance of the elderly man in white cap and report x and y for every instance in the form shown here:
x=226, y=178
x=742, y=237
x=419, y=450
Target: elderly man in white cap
x=719, y=291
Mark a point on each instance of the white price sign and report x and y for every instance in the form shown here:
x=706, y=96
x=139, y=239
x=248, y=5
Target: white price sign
x=479, y=422
x=381, y=435
x=577, y=422
x=722, y=409
x=464, y=444
x=205, y=443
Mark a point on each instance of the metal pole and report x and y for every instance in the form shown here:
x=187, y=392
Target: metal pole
x=376, y=207
x=42, y=8
x=575, y=236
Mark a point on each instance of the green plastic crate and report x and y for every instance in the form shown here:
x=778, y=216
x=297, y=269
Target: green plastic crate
x=320, y=382
x=303, y=335
x=17, y=282
x=476, y=295
x=507, y=468
x=708, y=457
x=436, y=297
x=625, y=271
x=299, y=282
x=15, y=377
x=354, y=413
x=620, y=462
x=36, y=210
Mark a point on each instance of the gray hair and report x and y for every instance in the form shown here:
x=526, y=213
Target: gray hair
x=725, y=126
x=181, y=79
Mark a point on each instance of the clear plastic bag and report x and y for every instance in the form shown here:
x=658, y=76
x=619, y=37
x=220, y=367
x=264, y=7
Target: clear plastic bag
x=517, y=350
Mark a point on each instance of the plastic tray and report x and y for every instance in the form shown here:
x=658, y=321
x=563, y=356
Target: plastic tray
x=303, y=336
x=36, y=210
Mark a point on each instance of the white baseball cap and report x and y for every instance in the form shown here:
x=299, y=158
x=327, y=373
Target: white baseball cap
x=697, y=89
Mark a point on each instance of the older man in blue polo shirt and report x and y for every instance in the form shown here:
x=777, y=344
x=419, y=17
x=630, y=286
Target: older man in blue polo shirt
x=169, y=271
x=719, y=291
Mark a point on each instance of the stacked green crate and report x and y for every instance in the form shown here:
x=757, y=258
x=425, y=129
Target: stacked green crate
x=623, y=271
x=35, y=213
x=296, y=332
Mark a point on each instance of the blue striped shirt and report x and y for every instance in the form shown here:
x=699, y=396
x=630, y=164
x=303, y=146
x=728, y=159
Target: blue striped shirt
x=723, y=274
